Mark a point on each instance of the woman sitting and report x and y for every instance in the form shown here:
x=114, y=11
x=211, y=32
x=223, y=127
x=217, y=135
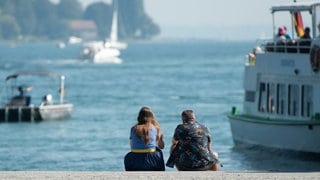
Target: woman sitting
x=146, y=144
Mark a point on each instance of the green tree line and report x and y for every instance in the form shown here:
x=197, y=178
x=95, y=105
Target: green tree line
x=42, y=19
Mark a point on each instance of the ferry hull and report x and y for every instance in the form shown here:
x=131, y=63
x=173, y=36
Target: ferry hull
x=301, y=137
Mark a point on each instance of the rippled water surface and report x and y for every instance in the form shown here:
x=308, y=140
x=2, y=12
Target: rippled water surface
x=205, y=76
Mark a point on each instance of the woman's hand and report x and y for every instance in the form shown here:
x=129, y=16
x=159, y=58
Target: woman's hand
x=161, y=142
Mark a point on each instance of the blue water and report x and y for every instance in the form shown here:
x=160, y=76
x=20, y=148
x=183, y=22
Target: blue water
x=205, y=76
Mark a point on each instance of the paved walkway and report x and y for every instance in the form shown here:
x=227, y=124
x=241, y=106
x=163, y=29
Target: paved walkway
x=62, y=175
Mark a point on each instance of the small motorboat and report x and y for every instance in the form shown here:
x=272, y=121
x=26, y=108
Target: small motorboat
x=19, y=105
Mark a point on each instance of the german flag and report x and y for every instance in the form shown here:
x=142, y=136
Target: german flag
x=298, y=23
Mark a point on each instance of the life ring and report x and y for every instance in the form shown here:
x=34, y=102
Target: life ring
x=315, y=58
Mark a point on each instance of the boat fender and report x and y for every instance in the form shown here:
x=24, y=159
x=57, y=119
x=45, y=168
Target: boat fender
x=315, y=58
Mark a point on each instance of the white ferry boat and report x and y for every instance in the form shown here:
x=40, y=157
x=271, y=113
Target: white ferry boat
x=281, y=108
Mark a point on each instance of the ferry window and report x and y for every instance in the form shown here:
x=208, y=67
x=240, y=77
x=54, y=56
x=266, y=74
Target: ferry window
x=283, y=18
x=293, y=100
x=250, y=96
x=281, y=98
x=306, y=100
x=262, y=97
x=271, y=92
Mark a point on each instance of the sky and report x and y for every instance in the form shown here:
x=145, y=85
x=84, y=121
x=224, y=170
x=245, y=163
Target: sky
x=216, y=19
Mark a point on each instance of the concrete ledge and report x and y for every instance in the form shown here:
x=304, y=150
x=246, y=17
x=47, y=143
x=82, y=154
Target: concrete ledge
x=175, y=175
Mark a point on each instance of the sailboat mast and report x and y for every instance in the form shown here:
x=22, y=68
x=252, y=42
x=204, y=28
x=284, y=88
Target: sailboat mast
x=114, y=25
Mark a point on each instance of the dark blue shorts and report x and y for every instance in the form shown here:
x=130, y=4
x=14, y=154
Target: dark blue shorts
x=144, y=161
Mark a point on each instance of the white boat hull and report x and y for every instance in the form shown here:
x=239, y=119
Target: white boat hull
x=106, y=53
x=303, y=137
x=36, y=114
x=56, y=111
x=108, y=60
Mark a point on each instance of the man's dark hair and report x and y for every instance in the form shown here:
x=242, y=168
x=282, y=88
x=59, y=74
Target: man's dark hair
x=187, y=115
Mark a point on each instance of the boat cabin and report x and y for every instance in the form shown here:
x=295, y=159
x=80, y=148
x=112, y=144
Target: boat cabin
x=294, y=27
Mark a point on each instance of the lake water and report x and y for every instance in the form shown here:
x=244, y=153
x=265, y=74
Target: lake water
x=205, y=76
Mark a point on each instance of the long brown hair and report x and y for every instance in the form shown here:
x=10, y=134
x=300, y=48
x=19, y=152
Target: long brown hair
x=145, y=119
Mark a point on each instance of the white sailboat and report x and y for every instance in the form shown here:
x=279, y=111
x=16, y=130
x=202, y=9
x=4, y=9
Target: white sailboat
x=106, y=51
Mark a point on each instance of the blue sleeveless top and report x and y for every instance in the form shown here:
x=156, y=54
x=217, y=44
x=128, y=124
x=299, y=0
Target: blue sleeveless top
x=138, y=143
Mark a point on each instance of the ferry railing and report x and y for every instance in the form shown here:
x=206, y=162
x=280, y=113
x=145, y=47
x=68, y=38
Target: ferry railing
x=301, y=46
